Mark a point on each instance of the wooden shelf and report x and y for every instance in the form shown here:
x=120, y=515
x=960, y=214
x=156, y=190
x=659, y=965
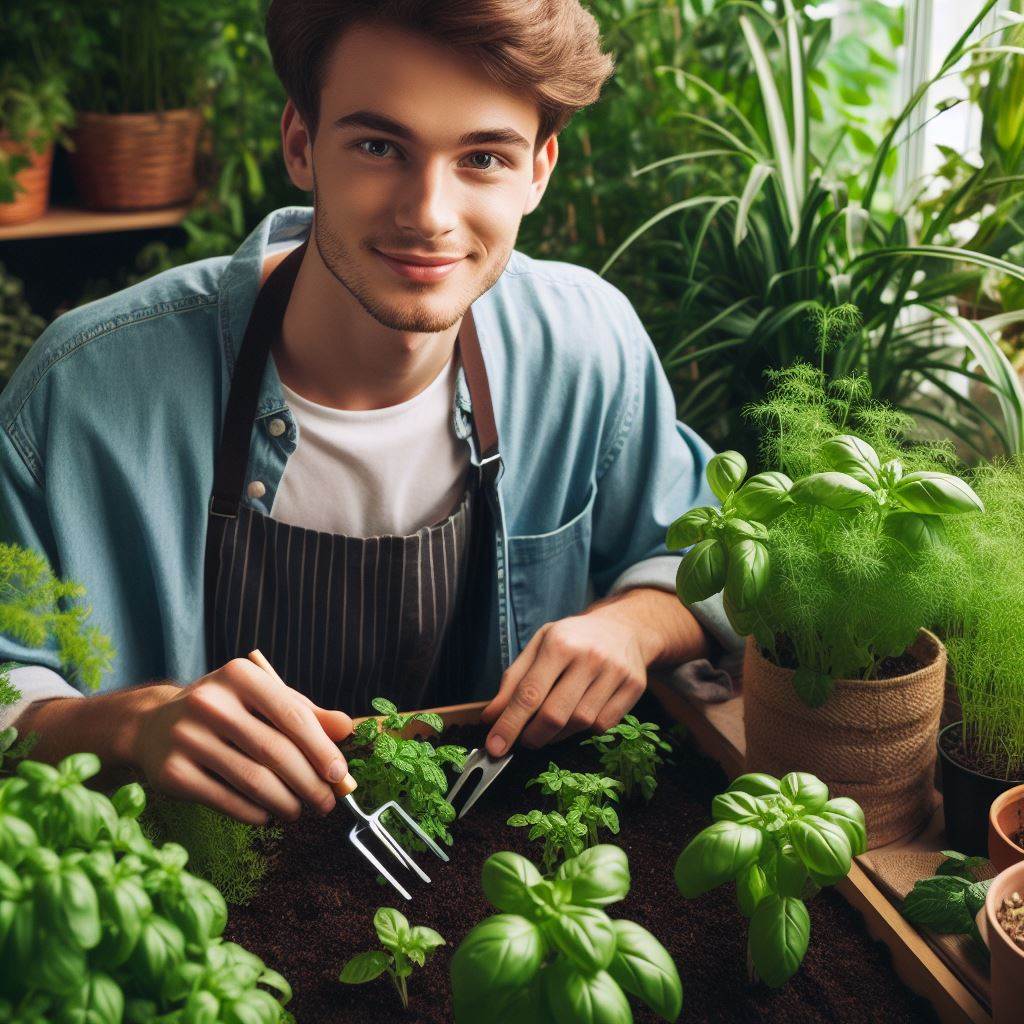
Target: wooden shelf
x=66, y=220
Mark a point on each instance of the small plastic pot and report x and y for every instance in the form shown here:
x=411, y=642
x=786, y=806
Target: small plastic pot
x=1007, y=957
x=966, y=798
x=1006, y=817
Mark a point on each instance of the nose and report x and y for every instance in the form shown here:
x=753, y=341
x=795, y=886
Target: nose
x=425, y=207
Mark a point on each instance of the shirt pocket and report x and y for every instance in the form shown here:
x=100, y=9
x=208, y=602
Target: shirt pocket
x=548, y=572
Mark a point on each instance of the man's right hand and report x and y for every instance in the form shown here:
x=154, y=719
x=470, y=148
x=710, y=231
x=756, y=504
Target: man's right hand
x=240, y=742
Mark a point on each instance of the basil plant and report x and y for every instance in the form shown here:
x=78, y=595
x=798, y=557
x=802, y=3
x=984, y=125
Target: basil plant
x=727, y=545
x=553, y=956
x=779, y=842
x=99, y=926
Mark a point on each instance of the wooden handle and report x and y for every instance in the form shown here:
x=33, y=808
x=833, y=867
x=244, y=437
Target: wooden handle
x=348, y=783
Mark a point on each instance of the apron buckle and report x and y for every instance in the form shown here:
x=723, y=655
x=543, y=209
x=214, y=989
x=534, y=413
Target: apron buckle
x=225, y=508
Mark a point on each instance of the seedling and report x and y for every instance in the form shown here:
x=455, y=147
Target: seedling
x=563, y=835
x=780, y=842
x=403, y=947
x=409, y=771
x=553, y=953
x=629, y=753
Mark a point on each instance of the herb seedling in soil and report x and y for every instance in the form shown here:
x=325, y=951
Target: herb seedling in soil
x=411, y=772
x=403, y=945
x=315, y=907
x=1010, y=916
x=949, y=901
x=629, y=753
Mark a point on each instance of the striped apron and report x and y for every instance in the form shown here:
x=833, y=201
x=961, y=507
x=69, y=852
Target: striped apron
x=344, y=619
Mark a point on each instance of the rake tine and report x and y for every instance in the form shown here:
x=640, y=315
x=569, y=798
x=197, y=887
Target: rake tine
x=393, y=844
x=357, y=842
x=414, y=825
x=467, y=769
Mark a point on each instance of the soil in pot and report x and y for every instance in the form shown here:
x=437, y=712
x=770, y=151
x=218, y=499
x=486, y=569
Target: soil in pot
x=888, y=668
x=1010, y=916
x=315, y=907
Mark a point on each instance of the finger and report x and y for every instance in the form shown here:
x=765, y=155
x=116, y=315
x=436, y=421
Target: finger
x=513, y=674
x=527, y=697
x=182, y=779
x=268, y=746
x=560, y=705
x=337, y=724
x=627, y=694
x=254, y=781
x=585, y=715
x=293, y=717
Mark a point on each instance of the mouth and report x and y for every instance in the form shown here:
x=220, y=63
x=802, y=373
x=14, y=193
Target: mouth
x=420, y=268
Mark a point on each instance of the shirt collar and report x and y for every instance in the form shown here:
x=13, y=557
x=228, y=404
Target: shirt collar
x=240, y=285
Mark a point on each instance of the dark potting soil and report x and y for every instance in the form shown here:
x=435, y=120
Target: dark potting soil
x=965, y=754
x=887, y=668
x=315, y=907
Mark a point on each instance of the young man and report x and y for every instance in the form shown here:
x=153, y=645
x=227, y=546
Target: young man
x=398, y=457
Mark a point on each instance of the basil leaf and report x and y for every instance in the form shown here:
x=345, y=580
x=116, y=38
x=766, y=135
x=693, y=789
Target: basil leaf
x=837, y=491
x=501, y=952
x=849, y=454
x=804, y=789
x=716, y=855
x=584, y=934
x=939, y=903
x=779, y=932
x=503, y=1006
x=642, y=966
x=507, y=878
x=735, y=805
x=936, y=493
x=160, y=947
x=847, y=814
x=725, y=472
x=392, y=927
x=751, y=888
x=755, y=783
x=747, y=573
x=436, y=722
x=577, y=998
x=823, y=847
x=599, y=876
x=383, y=706
x=960, y=864
x=689, y=528
x=790, y=872
x=812, y=687
x=736, y=529
x=914, y=531
x=763, y=497
x=701, y=572
x=974, y=896
x=364, y=967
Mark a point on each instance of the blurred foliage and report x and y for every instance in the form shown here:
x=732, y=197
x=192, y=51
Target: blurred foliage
x=19, y=326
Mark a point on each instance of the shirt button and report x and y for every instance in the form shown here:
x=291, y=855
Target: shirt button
x=256, y=489
x=277, y=427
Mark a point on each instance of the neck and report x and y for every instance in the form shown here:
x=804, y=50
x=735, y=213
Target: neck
x=332, y=352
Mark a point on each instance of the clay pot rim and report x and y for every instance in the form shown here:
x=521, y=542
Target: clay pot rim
x=962, y=767
x=874, y=685
x=999, y=887
x=1011, y=796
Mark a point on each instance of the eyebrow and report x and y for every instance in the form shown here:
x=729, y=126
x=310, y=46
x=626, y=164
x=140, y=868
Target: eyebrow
x=382, y=123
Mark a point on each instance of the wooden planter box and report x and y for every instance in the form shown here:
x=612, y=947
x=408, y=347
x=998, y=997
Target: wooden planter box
x=323, y=895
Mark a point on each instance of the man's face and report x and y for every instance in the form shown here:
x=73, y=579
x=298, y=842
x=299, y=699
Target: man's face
x=427, y=195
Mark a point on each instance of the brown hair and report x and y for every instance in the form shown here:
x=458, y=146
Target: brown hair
x=550, y=49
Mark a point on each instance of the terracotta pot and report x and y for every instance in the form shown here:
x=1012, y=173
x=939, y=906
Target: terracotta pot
x=35, y=179
x=1007, y=958
x=135, y=161
x=873, y=740
x=1005, y=817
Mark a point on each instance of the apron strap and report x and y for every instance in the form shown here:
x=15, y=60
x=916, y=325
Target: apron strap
x=480, y=395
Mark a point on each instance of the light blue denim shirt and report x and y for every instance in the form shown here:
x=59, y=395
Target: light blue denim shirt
x=111, y=423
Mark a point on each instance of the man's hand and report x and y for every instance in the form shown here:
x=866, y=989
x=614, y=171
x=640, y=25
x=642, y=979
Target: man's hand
x=589, y=670
x=240, y=742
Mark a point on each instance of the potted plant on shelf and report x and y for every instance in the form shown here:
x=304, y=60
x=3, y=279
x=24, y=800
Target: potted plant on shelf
x=982, y=755
x=137, y=94
x=830, y=565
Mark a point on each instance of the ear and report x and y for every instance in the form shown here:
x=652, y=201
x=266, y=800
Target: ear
x=297, y=148
x=543, y=164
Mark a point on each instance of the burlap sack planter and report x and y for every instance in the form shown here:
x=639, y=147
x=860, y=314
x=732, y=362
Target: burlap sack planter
x=873, y=740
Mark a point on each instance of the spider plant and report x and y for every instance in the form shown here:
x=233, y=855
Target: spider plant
x=760, y=266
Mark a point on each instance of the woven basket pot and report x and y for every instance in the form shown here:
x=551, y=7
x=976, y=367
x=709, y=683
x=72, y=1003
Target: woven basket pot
x=135, y=161
x=872, y=740
x=35, y=179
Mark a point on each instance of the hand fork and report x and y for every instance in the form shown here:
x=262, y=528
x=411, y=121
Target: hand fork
x=371, y=822
x=489, y=769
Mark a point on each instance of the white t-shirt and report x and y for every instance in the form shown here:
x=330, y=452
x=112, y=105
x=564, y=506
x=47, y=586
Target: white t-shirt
x=371, y=472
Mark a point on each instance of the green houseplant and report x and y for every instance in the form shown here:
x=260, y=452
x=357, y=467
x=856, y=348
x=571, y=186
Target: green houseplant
x=631, y=752
x=553, y=953
x=779, y=841
x=830, y=564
